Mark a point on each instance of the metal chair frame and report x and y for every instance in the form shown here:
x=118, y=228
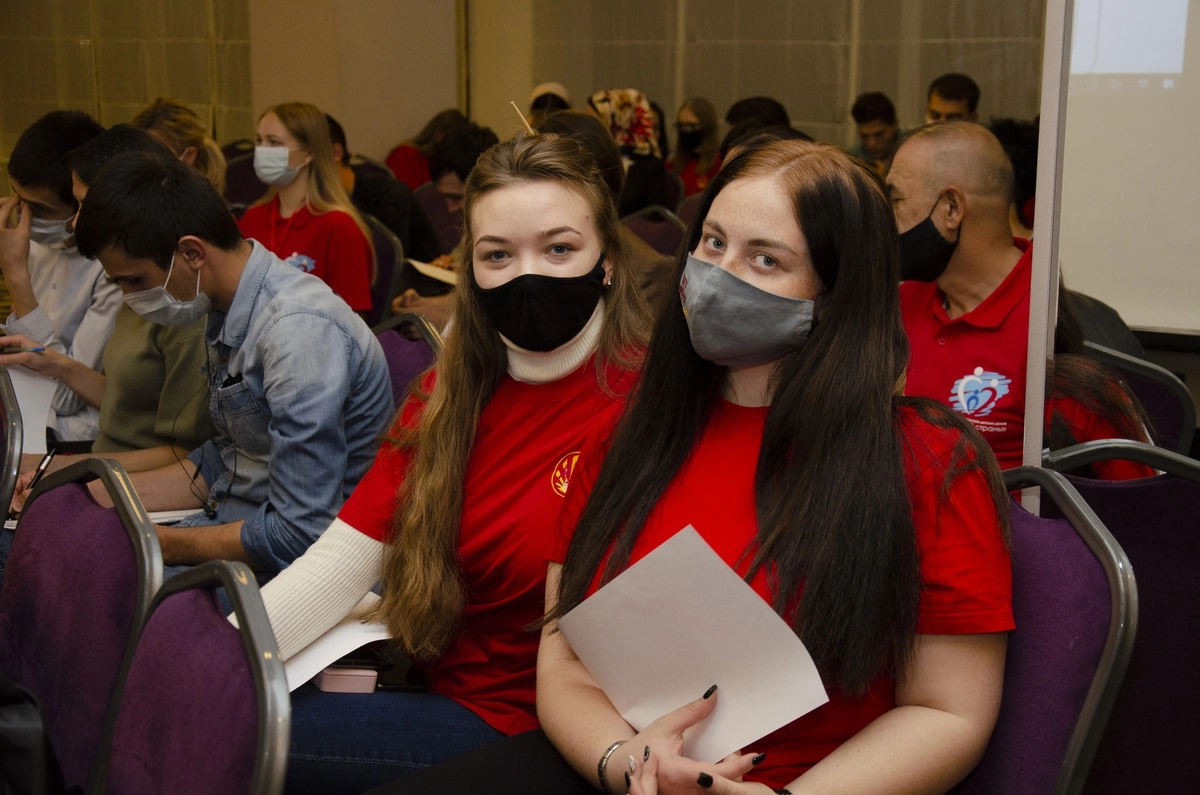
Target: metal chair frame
x=1161, y=375
x=1081, y=455
x=428, y=333
x=266, y=666
x=1122, y=629
x=14, y=438
x=377, y=227
x=662, y=212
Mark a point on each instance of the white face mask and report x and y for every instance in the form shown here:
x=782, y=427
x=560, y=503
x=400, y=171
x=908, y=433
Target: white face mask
x=158, y=306
x=271, y=165
x=48, y=233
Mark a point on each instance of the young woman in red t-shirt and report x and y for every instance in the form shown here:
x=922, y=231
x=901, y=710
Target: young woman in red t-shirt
x=306, y=219
x=697, y=157
x=768, y=418
x=458, y=511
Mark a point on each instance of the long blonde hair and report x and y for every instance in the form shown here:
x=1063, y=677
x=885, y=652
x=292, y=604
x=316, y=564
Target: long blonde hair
x=424, y=594
x=180, y=127
x=324, y=191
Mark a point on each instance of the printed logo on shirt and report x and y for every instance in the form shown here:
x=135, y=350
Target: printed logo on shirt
x=561, y=477
x=298, y=260
x=682, y=295
x=975, y=395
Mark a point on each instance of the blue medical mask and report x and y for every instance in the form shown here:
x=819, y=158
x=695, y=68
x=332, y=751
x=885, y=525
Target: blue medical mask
x=271, y=165
x=48, y=233
x=158, y=306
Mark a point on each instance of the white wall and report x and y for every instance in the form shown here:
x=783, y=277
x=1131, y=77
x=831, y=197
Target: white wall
x=500, y=41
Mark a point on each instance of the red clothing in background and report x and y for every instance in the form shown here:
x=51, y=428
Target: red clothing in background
x=693, y=182
x=409, y=165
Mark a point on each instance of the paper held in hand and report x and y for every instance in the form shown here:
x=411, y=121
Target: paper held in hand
x=679, y=621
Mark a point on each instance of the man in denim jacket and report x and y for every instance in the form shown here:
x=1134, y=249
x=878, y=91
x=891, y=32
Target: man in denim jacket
x=299, y=385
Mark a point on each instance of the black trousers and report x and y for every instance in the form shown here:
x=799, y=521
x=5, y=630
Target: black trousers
x=524, y=764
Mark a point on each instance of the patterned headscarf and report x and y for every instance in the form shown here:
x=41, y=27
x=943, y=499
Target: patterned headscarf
x=628, y=116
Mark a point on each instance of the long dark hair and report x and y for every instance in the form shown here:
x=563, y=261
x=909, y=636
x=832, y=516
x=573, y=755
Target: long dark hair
x=833, y=509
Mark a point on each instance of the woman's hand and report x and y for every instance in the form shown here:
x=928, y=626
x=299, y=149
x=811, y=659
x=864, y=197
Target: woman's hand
x=646, y=775
x=663, y=739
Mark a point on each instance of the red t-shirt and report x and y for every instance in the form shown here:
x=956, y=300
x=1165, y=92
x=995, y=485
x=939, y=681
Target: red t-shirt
x=409, y=165
x=330, y=246
x=965, y=571
x=693, y=182
x=526, y=444
x=976, y=364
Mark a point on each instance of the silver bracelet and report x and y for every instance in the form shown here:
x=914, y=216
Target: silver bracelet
x=602, y=766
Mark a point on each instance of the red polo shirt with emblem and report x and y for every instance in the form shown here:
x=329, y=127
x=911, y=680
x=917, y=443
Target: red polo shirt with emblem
x=526, y=445
x=976, y=364
x=330, y=246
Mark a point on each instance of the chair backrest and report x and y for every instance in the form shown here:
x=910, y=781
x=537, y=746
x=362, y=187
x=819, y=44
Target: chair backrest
x=203, y=706
x=237, y=148
x=13, y=439
x=673, y=190
x=78, y=584
x=1168, y=403
x=659, y=227
x=362, y=164
x=407, y=358
x=1153, y=743
x=242, y=185
x=1075, y=605
x=447, y=226
x=389, y=254
x=689, y=207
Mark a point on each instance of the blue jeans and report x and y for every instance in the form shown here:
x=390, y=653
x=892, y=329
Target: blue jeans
x=350, y=742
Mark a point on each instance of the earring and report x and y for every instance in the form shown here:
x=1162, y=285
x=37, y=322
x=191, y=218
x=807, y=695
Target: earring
x=607, y=279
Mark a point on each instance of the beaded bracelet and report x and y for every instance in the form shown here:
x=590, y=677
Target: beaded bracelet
x=602, y=767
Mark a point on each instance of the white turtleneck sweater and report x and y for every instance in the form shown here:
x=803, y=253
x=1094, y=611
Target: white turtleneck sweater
x=322, y=586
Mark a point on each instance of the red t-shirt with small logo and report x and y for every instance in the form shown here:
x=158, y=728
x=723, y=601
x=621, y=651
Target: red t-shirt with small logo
x=330, y=246
x=966, y=577
x=526, y=444
x=976, y=364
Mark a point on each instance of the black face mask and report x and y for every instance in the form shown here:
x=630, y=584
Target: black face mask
x=690, y=140
x=924, y=253
x=541, y=313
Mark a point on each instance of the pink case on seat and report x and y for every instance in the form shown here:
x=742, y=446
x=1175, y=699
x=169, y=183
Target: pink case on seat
x=346, y=680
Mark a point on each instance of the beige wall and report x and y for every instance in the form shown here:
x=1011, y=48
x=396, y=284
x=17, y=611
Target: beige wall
x=500, y=41
x=382, y=67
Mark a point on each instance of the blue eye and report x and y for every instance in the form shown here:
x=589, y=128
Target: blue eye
x=716, y=242
x=560, y=249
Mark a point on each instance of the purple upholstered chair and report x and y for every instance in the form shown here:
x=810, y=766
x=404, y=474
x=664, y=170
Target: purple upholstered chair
x=1165, y=398
x=1075, y=605
x=1153, y=740
x=203, y=705
x=446, y=225
x=78, y=584
x=242, y=185
x=407, y=358
x=673, y=190
x=389, y=253
x=659, y=227
x=689, y=207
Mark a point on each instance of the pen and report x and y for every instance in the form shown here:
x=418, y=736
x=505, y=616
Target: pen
x=22, y=350
x=41, y=469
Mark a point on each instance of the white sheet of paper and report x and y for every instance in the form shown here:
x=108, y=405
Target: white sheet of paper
x=349, y=634
x=34, y=394
x=680, y=620
x=170, y=517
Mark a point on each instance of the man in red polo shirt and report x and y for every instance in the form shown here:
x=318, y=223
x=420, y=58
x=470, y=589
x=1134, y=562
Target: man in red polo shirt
x=965, y=295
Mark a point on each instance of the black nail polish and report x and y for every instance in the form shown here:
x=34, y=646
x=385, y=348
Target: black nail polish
x=628, y=783
x=758, y=759
x=710, y=691
x=704, y=780
x=646, y=756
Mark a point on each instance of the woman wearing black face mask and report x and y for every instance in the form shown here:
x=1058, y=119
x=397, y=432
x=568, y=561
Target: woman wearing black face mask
x=697, y=158
x=457, y=513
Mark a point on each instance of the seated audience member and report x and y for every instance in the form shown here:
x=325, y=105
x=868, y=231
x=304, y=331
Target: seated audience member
x=306, y=219
x=965, y=301
x=300, y=388
x=761, y=112
x=545, y=100
x=751, y=138
x=181, y=130
x=410, y=160
x=453, y=517
x=60, y=298
x=651, y=269
x=151, y=391
x=874, y=524
x=878, y=130
x=384, y=197
x=660, y=124
x=952, y=97
x=627, y=115
x=697, y=156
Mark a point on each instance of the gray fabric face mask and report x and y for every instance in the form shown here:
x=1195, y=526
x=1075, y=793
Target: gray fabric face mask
x=735, y=324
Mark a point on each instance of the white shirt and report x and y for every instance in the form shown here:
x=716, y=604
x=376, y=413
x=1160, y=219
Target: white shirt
x=76, y=311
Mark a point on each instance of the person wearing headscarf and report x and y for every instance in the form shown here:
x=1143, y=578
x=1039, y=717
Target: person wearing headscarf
x=634, y=127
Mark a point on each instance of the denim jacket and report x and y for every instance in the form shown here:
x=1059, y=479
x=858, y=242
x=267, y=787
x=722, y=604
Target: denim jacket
x=299, y=393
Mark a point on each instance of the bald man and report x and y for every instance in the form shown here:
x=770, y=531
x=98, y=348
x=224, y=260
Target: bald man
x=965, y=298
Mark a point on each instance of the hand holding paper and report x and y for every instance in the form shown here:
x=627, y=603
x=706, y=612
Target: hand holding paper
x=679, y=621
